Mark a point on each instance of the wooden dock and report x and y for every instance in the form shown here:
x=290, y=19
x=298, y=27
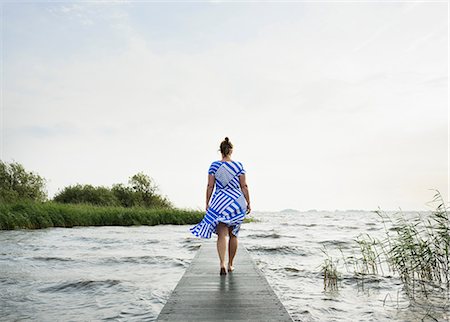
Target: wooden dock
x=203, y=295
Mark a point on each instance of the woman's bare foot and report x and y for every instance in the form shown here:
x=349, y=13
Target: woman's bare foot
x=223, y=271
x=230, y=268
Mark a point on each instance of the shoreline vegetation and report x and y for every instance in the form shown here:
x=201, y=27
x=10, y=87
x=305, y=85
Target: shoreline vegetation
x=415, y=249
x=36, y=215
x=24, y=203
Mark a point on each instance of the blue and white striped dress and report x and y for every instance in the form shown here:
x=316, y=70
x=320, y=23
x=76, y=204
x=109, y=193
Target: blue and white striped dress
x=228, y=204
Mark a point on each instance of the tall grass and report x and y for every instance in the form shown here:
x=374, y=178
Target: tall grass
x=331, y=276
x=369, y=263
x=415, y=249
x=34, y=215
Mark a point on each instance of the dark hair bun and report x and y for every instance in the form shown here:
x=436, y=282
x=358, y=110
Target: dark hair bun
x=226, y=146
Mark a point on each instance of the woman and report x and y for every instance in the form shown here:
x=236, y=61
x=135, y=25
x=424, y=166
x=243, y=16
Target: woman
x=226, y=210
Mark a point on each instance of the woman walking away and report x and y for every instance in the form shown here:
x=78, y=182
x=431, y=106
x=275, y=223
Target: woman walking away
x=226, y=210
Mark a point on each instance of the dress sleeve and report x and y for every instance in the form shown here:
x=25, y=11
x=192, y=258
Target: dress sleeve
x=212, y=168
x=242, y=170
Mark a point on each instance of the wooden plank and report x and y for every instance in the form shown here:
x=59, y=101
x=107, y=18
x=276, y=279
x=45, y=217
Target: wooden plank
x=203, y=295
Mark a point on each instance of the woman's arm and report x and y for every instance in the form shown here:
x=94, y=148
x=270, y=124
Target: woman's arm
x=209, y=189
x=244, y=188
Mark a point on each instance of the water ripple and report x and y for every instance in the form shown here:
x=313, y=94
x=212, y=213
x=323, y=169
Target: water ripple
x=83, y=285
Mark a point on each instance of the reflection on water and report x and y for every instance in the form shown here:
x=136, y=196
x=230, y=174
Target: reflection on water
x=128, y=273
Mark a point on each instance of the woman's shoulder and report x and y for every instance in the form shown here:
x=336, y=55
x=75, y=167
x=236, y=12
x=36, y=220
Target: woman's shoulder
x=214, y=166
x=240, y=166
x=237, y=166
x=237, y=162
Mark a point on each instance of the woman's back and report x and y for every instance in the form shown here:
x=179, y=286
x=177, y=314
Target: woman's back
x=226, y=174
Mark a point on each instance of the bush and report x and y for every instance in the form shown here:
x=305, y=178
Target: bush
x=140, y=192
x=125, y=195
x=99, y=196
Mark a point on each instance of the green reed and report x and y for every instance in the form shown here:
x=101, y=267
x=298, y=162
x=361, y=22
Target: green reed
x=415, y=248
x=369, y=261
x=34, y=215
x=331, y=276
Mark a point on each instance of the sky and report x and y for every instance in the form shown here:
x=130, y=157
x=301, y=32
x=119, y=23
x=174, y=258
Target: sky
x=330, y=105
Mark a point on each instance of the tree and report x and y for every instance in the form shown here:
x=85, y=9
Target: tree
x=17, y=184
x=142, y=183
x=146, y=192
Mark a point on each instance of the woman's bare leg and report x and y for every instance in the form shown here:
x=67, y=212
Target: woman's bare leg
x=222, y=233
x=232, y=248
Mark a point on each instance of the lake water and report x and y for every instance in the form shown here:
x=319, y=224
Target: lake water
x=128, y=273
